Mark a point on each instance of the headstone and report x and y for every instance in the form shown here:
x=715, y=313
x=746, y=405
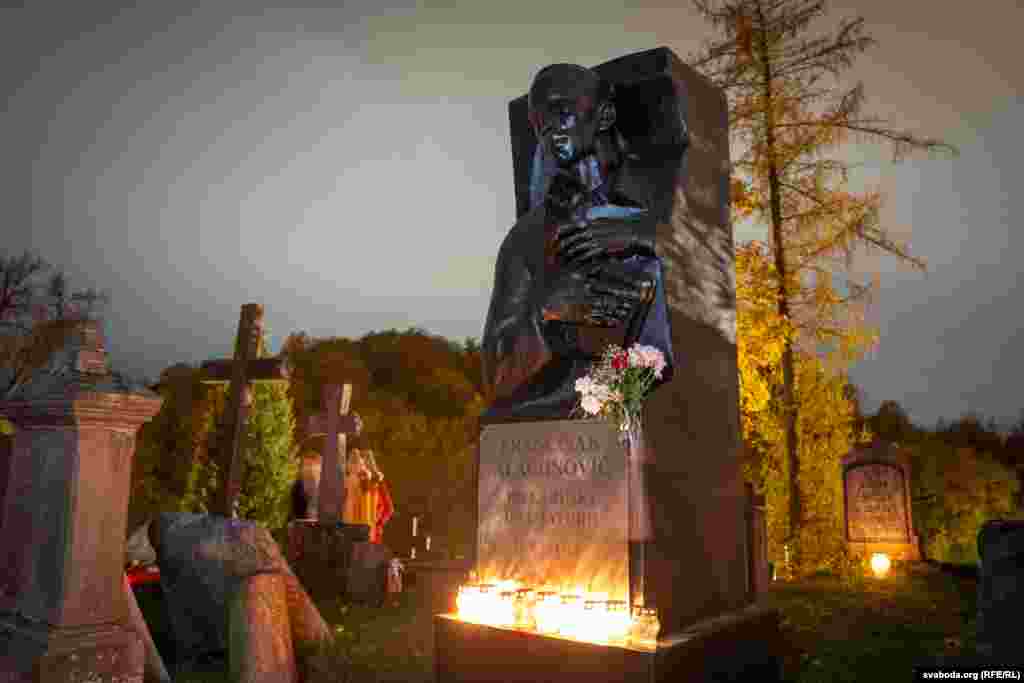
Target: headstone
x=676, y=123
x=876, y=496
x=205, y=562
x=239, y=373
x=63, y=613
x=1001, y=591
x=686, y=515
x=553, y=506
x=330, y=556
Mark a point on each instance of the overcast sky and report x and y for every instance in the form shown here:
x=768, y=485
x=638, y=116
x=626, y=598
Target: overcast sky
x=349, y=168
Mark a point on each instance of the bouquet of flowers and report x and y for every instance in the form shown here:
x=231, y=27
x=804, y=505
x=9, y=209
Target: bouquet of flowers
x=618, y=384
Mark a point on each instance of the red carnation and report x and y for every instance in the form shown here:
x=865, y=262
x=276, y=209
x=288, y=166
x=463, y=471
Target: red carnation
x=620, y=361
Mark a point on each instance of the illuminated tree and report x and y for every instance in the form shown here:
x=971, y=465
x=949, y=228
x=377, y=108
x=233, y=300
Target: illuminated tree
x=789, y=119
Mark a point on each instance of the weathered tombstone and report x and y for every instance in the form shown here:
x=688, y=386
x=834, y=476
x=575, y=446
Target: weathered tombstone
x=63, y=613
x=876, y=497
x=671, y=505
x=239, y=373
x=213, y=573
x=329, y=556
x=1001, y=591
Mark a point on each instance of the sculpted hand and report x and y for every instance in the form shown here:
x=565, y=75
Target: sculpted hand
x=602, y=296
x=565, y=196
x=577, y=245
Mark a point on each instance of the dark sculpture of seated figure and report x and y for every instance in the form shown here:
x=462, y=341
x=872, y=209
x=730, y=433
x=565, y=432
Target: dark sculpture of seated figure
x=583, y=256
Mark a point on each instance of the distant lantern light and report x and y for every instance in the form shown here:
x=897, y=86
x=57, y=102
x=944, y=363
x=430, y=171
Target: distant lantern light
x=880, y=565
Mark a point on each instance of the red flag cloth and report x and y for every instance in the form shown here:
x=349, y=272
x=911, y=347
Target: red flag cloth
x=385, y=509
x=138, y=576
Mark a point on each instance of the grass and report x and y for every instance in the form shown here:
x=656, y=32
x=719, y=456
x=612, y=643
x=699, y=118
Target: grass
x=834, y=630
x=875, y=629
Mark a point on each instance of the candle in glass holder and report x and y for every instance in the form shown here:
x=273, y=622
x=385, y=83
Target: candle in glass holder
x=505, y=609
x=547, y=611
x=524, y=604
x=618, y=619
x=571, y=615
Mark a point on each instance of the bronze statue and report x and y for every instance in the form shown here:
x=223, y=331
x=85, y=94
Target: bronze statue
x=583, y=257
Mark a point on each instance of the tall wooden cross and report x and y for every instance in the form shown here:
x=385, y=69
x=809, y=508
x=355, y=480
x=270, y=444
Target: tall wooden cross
x=239, y=372
x=336, y=423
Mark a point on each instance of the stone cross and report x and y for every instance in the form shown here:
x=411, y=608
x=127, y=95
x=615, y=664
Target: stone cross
x=336, y=423
x=239, y=372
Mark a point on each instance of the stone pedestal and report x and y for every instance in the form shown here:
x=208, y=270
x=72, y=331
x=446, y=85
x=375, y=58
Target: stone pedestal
x=63, y=613
x=738, y=646
x=333, y=560
x=437, y=582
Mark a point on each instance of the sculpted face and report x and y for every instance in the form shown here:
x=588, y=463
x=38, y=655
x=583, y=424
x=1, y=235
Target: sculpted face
x=569, y=107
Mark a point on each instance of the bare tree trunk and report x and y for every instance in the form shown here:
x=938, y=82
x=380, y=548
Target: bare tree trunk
x=788, y=373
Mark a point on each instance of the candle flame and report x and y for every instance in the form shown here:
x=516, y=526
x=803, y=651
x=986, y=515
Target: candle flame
x=574, y=613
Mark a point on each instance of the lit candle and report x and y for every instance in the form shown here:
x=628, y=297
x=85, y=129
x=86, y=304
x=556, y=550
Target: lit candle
x=427, y=544
x=415, y=520
x=880, y=565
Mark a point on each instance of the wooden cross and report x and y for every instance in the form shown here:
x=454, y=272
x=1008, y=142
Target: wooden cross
x=239, y=372
x=336, y=423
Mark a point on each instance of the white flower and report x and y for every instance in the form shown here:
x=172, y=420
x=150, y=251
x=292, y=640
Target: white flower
x=585, y=385
x=591, y=404
x=602, y=392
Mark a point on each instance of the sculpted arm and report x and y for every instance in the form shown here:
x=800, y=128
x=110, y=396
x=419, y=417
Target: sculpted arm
x=513, y=347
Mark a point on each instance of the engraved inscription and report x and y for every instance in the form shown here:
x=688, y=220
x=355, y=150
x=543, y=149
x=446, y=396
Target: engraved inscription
x=553, y=506
x=876, y=504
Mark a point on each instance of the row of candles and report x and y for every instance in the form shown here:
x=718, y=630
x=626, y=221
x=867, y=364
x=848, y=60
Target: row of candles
x=582, y=616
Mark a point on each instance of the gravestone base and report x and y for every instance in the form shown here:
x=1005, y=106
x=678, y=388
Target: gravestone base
x=738, y=646
x=333, y=560
x=437, y=581
x=33, y=654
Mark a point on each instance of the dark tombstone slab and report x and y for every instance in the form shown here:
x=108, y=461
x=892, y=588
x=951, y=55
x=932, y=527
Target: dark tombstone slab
x=206, y=562
x=693, y=563
x=876, y=495
x=203, y=559
x=1001, y=591
x=678, y=121
x=553, y=506
x=338, y=560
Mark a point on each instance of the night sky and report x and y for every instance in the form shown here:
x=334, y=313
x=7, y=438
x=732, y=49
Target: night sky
x=349, y=168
